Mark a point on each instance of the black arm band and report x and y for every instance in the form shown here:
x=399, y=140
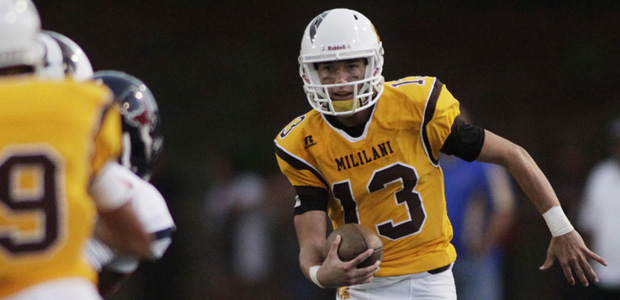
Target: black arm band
x=310, y=198
x=465, y=141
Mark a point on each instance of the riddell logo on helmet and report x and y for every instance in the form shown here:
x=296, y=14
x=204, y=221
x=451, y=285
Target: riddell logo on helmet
x=338, y=47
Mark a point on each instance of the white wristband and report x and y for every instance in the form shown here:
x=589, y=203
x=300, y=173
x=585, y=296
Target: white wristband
x=313, y=270
x=557, y=221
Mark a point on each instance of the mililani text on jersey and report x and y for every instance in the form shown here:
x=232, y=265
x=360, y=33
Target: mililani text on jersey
x=362, y=157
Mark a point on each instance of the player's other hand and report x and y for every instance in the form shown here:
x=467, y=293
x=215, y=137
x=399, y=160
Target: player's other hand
x=336, y=273
x=573, y=255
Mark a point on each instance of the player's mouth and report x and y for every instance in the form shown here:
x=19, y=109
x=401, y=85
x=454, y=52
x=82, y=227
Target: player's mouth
x=342, y=96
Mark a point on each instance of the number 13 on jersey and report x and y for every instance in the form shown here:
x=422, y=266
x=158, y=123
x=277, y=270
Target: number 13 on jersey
x=407, y=198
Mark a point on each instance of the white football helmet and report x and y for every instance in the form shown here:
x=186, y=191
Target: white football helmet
x=341, y=34
x=19, y=26
x=72, y=58
x=52, y=64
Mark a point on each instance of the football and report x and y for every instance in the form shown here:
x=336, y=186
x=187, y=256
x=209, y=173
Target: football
x=355, y=240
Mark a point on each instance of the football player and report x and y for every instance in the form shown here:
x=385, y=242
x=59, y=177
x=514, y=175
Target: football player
x=368, y=153
x=142, y=145
x=58, y=149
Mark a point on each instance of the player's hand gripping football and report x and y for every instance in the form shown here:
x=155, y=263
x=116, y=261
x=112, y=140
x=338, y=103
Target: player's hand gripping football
x=336, y=273
x=573, y=255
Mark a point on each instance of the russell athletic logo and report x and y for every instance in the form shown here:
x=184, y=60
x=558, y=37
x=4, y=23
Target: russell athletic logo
x=309, y=141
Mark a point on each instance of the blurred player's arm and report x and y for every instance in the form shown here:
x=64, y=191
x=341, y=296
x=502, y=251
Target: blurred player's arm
x=568, y=247
x=150, y=206
x=119, y=228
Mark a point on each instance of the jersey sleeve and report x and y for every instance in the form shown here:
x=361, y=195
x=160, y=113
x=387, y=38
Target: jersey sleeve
x=297, y=165
x=298, y=173
x=108, y=141
x=152, y=211
x=440, y=113
x=293, y=159
x=151, y=208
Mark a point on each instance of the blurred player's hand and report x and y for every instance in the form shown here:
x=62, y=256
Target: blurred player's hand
x=573, y=255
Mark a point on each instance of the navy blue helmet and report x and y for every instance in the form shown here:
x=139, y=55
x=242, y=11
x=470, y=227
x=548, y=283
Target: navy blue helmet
x=142, y=139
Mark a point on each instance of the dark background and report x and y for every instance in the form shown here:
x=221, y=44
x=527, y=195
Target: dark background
x=543, y=74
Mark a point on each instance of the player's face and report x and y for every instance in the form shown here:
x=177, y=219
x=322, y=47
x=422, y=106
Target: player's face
x=342, y=71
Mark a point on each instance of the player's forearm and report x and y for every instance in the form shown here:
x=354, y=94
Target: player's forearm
x=522, y=167
x=532, y=181
x=309, y=256
x=311, y=234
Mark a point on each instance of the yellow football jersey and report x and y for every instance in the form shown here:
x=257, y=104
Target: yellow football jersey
x=54, y=136
x=387, y=179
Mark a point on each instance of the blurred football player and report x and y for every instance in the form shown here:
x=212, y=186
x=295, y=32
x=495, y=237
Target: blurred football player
x=480, y=204
x=368, y=153
x=481, y=207
x=58, y=150
x=598, y=215
x=142, y=145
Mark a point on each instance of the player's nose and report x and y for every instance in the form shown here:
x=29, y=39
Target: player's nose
x=342, y=76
